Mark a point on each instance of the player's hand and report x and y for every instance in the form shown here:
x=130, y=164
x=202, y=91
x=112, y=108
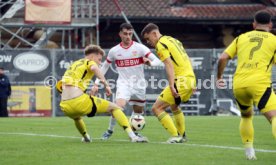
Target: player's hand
x=220, y=83
x=94, y=90
x=146, y=61
x=108, y=91
x=194, y=90
x=174, y=92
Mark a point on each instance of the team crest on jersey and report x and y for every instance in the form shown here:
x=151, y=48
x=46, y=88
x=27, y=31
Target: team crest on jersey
x=119, y=55
x=160, y=55
x=134, y=53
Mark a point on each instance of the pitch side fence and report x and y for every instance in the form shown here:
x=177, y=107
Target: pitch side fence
x=34, y=73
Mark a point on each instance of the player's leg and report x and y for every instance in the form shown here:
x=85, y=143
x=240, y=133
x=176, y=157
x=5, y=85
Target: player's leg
x=164, y=100
x=271, y=117
x=184, y=87
x=179, y=120
x=268, y=108
x=122, y=96
x=74, y=108
x=246, y=128
x=165, y=119
x=80, y=125
x=116, y=111
x=112, y=121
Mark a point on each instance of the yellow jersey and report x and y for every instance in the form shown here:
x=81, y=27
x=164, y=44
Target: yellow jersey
x=168, y=47
x=79, y=74
x=256, y=52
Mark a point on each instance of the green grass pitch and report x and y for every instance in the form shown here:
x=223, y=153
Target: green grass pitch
x=211, y=140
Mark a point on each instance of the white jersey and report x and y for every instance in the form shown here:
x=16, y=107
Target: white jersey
x=129, y=63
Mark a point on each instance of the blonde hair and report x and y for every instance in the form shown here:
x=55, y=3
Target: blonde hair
x=93, y=49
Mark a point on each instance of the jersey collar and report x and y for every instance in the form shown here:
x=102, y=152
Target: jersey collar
x=121, y=44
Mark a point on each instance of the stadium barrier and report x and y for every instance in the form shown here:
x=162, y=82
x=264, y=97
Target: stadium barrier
x=33, y=74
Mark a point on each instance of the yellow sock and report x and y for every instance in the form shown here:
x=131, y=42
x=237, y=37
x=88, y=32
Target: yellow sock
x=273, y=125
x=79, y=123
x=122, y=119
x=247, y=131
x=167, y=123
x=179, y=121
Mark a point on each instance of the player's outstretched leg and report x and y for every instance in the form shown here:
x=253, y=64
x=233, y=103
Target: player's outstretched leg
x=79, y=123
x=123, y=122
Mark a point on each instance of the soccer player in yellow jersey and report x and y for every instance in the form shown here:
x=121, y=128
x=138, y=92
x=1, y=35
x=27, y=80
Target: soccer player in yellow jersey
x=76, y=103
x=256, y=52
x=181, y=79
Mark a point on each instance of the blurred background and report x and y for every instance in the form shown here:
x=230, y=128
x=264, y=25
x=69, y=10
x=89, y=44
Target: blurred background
x=39, y=39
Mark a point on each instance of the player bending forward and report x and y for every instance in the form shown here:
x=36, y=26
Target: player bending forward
x=75, y=103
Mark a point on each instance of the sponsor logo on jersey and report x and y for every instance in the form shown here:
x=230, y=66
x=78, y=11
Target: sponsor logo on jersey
x=129, y=62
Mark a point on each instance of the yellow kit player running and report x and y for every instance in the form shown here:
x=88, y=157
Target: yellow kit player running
x=76, y=103
x=181, y=81
x=256, y=52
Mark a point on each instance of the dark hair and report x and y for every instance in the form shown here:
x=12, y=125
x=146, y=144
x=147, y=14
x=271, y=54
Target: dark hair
x=93, y=49
x=126, y=26
x=148, y=28
x=262, y=17
x=2, y=68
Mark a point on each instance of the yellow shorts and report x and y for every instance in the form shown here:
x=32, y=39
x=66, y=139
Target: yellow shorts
x=184, y=88
x=84, y=105
x=261, y=96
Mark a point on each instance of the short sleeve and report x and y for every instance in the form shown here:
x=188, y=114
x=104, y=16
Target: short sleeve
x=231, y=50
x=145, y=51
x=90, y=63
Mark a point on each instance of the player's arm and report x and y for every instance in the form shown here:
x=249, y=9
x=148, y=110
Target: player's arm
x=100, y=76
x=228, y=54
x=104, y=69
x=170, y=75
x=152, y=60
x=222, y=62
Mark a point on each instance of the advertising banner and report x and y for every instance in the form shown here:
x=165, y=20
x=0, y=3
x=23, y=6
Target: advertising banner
x=48, y=11
x=30, y=101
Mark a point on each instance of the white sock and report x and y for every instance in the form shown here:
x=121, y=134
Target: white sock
x=112, y=123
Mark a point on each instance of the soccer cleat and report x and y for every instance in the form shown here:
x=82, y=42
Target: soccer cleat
x=138, y=134
x=86, y=139
x=139, y=139
x=250, y=153
x=175, y=139
x=107, y=134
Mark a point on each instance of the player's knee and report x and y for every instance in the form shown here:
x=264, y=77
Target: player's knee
x=77, y=118
x=154, y=109
x=246, y=114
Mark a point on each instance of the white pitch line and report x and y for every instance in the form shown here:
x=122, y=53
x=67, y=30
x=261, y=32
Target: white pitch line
x=120, y=140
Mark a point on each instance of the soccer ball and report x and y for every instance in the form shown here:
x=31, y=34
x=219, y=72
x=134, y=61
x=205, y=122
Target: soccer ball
x=137, y=122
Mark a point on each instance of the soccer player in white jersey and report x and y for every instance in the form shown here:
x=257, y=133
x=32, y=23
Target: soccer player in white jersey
x=129, y=58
